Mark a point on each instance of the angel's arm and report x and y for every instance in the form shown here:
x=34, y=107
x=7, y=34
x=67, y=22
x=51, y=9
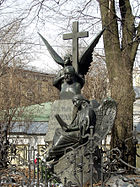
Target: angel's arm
x=74, y=126
x=70, y=129
x=64, y=126
x=58, y=78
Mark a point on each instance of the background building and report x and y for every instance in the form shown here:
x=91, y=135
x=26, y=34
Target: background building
x=26, y=87
x=30, y=135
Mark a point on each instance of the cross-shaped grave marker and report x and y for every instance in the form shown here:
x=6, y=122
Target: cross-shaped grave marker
x=75, y=35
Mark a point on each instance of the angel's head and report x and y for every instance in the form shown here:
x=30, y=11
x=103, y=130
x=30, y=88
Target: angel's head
x=69, y=74
x=68, y=60
x=78, y=100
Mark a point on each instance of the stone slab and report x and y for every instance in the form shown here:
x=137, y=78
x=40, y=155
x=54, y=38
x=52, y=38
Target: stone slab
x=65, y=109
x=69, y=167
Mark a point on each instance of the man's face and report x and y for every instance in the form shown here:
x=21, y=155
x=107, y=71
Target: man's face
x=68, y=77
x=77, y=102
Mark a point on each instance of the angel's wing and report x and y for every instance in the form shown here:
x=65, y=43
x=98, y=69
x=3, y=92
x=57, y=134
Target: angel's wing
x=53, y=53
x=105, y=116
x=86, y=58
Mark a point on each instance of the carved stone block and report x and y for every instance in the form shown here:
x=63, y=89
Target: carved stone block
x=65, y=109
x=74, y=167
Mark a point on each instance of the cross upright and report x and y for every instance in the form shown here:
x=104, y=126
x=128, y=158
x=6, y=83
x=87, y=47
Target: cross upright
x=75, y=35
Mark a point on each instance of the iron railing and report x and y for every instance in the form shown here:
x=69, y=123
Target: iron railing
x=26, y=167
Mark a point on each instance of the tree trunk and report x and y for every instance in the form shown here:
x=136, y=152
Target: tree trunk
x=121, y=136
x=119, y=61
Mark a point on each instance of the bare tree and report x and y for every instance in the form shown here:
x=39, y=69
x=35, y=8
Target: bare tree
x=120, y=55
x=121, y=40
x=96, y=81
x=13, y=56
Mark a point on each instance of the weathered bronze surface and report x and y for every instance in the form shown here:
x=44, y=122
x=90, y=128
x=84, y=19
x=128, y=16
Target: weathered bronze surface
x=70, y=79
x=73, y=134
x=91, y=121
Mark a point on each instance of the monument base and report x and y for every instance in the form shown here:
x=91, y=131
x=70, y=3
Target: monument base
x=74, y=167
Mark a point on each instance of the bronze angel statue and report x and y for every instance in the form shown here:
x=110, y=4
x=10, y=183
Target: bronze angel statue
x=70, y=80
x=90, y=113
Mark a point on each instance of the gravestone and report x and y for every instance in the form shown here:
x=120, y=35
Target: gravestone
x=65, y=109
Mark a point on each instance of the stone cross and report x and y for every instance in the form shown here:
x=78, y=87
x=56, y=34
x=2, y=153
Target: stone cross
x=75, y=35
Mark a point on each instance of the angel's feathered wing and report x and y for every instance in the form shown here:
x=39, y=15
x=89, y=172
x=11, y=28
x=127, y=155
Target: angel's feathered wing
x=53, y=53
x=105, y=116
x=86, y=58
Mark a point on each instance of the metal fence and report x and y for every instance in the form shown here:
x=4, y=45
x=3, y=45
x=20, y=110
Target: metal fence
x=26, y=167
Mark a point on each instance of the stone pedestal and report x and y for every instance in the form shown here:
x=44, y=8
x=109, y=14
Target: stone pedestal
x=74, y=167
x=65, y=109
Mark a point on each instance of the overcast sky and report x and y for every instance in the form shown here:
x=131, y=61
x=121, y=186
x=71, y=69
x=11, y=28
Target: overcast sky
x=53, y=26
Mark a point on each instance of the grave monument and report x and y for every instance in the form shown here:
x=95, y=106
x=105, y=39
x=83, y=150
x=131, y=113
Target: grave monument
x=70, y=79
x=77, y=126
